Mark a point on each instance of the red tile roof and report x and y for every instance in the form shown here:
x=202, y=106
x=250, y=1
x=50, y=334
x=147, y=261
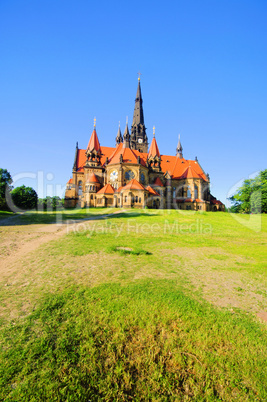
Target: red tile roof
x=216, y=202
x=153, y=150
x=175, y=166
x=93, y=142
x=152, y=191
x=158, y=182
x=70, y=181
x=128, y=156
x=107, y=189
x=189, y=173
x=92, y=179
x=133, y=185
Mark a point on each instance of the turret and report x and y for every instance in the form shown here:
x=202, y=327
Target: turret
x=75, y=158
x=119, y=138
x=153, y=158
x=179, y=149
x=126, y=136
x=93, y=151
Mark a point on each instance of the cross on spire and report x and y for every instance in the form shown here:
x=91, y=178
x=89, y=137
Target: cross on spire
x=139, y=75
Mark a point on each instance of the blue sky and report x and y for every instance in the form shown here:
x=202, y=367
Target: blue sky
x=204, y=75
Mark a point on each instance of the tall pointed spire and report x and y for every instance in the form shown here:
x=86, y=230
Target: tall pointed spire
x=153, y=150
x=138, y=129
x=126, y=136
x=76, y=157
x=119, y=138
x=179, y=149
x=138, y=117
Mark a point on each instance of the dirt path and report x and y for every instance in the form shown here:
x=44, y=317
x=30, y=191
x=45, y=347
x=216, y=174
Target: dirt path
x=18, y=241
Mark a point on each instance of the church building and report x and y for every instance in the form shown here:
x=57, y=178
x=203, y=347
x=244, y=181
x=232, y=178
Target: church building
x=134, y=174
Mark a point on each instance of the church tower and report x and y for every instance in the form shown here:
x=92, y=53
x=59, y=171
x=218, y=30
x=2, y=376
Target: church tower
x=138, y=138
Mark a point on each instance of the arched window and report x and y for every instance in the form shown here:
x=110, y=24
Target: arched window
x=174, y=192
x=125, y=198
x=92, y=197
x=188, y=195
x=143, y=179
x=140, y=200
x=80, y=187
x=136, y=199
x=196, y=191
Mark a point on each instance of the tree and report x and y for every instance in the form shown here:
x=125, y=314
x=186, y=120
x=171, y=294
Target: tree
x=5, y=185
x=50, y=203
x=251, y=197
x=24, y=197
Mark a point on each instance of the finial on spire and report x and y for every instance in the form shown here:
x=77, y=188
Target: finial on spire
x=119, y=124
x=139, y=76
x=126, y=119
x=94, y=123
x=154, y=131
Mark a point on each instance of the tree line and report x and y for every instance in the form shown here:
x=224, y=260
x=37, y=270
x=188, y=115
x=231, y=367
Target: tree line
x=251, y=197
x=23, y=197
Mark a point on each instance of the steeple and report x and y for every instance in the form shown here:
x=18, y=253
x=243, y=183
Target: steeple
x=138, y=129
x=76, y=157
x=93, y=151
x=126, y=136
x=179, y=149
x=153, y=150
x=153, y=158
x=119, y=138
x=138, y=117
x=93, y=143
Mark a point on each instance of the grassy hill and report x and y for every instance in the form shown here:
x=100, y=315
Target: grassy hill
x=140, y=305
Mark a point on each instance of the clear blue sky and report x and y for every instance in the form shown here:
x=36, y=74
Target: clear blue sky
x=204, y=75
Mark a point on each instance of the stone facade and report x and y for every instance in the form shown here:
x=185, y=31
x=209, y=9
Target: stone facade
x=130, y=175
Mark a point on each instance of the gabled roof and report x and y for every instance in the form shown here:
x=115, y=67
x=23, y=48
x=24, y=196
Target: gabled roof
x=216, y=202
x=152, y=191
x=93, y=179
x=93, y=142
x=189, y=173
x=70, y=181
x=128, y=156
x=158, y=182
x=177, y=167
x=133, y=185
x=153, y=150
x=107, y=189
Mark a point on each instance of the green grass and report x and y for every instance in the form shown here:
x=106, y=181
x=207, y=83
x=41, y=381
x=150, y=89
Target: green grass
x=143, y=341
x=117, y=311
x=5, y=214
x=40, y=217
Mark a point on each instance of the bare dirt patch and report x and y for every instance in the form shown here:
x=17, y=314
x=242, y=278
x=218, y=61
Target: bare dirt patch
x=210, y=270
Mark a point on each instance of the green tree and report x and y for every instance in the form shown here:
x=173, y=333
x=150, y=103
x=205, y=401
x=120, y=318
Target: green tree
x=24, y=197
x=5, y=184
x=50, y=203
x=251, y=197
